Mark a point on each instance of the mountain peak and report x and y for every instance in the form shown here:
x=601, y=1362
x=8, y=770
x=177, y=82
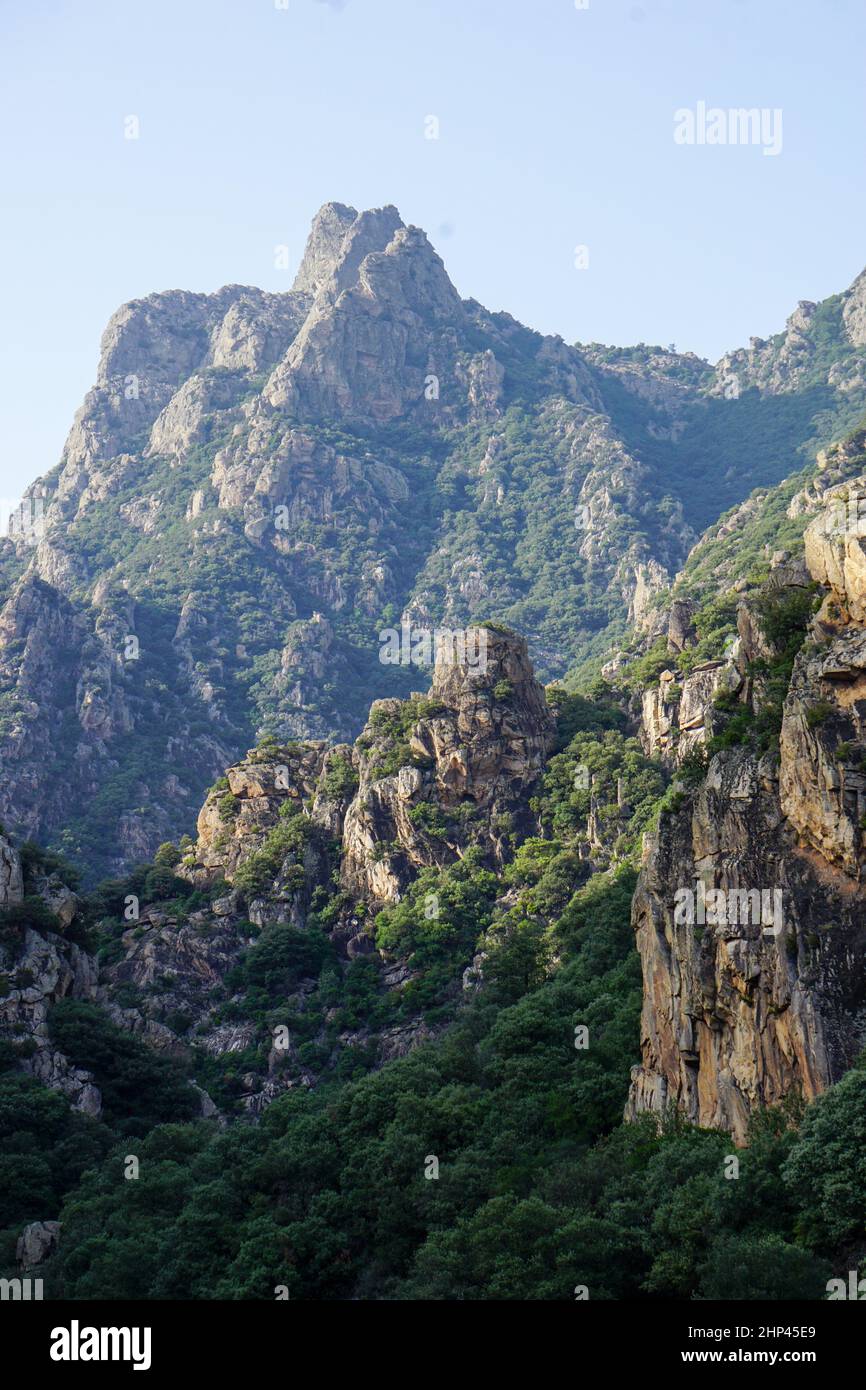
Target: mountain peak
x=328, y=228
x=340, y=237
x=382, y=319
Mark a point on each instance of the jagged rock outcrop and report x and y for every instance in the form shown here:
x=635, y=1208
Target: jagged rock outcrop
x=11, y=875
x=835, y=550
x=798, y=354
x=236, y=818
x=854, y=311
x=174, y=970
x=36, y=1242
x=469, y=753
x=678, y=714
x=472, y=755
x=385, y=317
x=72, y=695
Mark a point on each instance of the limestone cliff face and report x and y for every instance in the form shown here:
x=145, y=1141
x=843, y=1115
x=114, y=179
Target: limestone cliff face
x=379, y=325
x=11, y=876
x=742, y=1009
x=736, y=1016
x=683, y=711
x=235, y=821
x=74, y=700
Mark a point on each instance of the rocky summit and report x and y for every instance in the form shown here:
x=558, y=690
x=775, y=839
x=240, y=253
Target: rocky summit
x=433, y=799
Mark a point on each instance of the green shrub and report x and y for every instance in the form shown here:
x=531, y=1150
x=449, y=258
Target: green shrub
x=139, y=1087
x=340, y=782
x=818, y=713
x=281, y=957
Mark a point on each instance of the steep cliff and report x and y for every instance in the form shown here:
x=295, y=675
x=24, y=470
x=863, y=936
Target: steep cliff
x=761, y=994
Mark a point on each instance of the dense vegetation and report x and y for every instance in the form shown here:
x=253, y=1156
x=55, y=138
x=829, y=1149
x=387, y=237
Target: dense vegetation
x=489, y=1164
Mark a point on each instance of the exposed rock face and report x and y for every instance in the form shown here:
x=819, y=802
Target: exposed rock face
x=177, y=969
x=330, y=225
x=835, y=550
x=376, y=328
x=744, y=1008
x=37, y=969
x=37, y=634
x=233, y=825
x=783, y=363
x=74, y=697
x=36, y=1242
x=854, y=311
x=678, y=714
x=737, y=1016
x=650, y=579
x=823, y=741
x=477, y=747
x=11, y=877
x=681, y=713
x=680, y=631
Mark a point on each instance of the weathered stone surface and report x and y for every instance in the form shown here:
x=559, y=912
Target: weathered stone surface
x=854, y=311
x=11, y=877
x=823, y=738
x=277, y=425
x=835, y=550
x=322, y=252
x=478, y=743
x=735, y=1017
x=40, y=970
x=678, y=714
x=36, y=1242
x=234, y=823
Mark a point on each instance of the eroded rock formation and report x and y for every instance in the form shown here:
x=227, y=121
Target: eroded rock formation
x=740, y=1010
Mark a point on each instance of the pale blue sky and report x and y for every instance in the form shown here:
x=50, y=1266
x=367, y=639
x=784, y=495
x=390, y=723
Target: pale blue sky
x=556, y=129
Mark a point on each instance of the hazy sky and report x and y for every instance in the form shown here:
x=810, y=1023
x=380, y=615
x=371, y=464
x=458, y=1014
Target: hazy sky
x=556, y=130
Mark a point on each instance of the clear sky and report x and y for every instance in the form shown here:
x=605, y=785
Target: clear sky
x=555, y=130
